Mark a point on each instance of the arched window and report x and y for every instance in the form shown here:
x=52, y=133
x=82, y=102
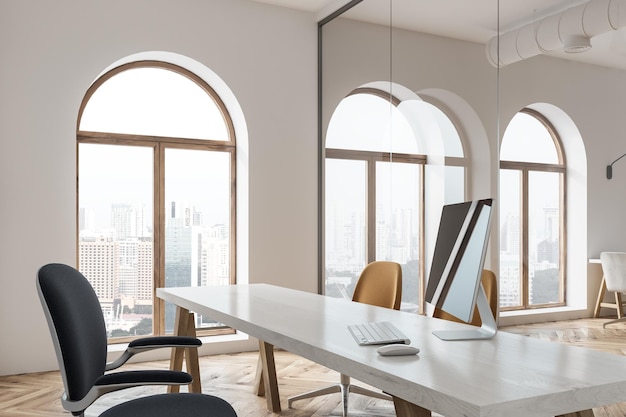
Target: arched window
x=532, y=214
x=156, y=192
x=374, y=187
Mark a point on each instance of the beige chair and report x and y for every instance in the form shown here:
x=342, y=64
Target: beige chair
x=614, y=269
x=490, y=284
x=380, y=284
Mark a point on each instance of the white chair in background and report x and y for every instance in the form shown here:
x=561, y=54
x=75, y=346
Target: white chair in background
x=614, y=269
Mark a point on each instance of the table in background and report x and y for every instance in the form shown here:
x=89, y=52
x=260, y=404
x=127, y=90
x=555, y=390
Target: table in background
x=509, y=375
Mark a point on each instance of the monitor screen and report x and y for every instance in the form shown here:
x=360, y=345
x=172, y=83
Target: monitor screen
x=459, y=256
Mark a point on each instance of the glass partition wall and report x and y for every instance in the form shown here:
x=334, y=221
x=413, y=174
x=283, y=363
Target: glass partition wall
x=407, y=123
x=411, y=118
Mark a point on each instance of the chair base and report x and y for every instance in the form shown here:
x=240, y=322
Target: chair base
x=345, y=388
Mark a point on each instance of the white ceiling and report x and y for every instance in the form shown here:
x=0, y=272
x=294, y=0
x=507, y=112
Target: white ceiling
x=472, y=20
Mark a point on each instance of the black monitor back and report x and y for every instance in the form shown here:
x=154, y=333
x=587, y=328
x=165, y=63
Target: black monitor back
x=459, y=257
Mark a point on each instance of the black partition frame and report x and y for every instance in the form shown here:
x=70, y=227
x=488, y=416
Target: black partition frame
x=320, y=142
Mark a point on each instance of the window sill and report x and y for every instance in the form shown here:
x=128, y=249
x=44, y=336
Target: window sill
x=540, y=315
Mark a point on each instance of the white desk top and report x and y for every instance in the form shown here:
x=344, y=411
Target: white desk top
x=509, y=375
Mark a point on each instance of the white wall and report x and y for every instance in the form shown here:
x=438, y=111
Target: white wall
x=50, y=52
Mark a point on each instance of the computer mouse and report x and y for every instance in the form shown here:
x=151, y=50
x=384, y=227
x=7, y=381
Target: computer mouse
x=397, y=349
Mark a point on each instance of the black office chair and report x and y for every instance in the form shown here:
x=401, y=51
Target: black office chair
x=79, y=335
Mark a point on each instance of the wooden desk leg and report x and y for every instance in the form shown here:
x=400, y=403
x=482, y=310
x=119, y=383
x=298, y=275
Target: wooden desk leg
x=259, y=387
x=601, y=293
x=269, y=379
x=184, y=326
x=583, y=413
x=407, y=409
x=191, y=356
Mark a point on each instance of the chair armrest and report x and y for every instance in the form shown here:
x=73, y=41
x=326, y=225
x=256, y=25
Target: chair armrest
x=145, y=377
x=149, y=343
x=156, y=342
x=121, y=380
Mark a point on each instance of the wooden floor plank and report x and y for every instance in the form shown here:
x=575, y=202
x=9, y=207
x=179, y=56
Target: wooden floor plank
x=231, y=377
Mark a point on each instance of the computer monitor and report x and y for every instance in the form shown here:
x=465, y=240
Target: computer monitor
x=454, y=283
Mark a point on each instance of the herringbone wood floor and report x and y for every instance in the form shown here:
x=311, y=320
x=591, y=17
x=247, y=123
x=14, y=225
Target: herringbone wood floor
x=230, y=377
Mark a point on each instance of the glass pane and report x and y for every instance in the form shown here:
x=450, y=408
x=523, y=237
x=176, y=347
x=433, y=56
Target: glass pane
x=526, y=139
x=154, y=101
x=397, y=224
x=455, y=184
x=451, y=140
x=346, y=231
x=544, y=231
x=510, y=238
x=197, y=222
x=369, y=123
x=115, y=233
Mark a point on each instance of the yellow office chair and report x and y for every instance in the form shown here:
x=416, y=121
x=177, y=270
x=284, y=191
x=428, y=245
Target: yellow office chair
x=490, y=284
x=380, y=284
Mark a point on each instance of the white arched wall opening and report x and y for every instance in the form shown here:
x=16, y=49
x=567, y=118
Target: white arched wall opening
x=429, y=142
x=480, y=182
x=481, y=161
x=580, y=296
x=474, y=137
x=240, y=341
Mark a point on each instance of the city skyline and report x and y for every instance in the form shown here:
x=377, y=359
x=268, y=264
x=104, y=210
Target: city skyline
x=118, y=261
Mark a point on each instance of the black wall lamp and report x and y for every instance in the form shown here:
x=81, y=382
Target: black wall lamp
x=609, y=168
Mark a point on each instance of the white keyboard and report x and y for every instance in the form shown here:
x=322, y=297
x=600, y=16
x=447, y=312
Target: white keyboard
x=377, y=333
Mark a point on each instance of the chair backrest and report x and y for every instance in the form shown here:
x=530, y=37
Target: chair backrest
x=614, y=270
x=380, y=284
x=76, y=325
x=490, y=284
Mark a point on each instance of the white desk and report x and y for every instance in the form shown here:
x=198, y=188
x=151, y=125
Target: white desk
x=509, y=375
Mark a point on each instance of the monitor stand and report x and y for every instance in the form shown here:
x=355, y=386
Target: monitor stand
x=486, y=331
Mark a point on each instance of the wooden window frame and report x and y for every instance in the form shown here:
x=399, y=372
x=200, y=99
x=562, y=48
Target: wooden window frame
x=371, y=158
x=159, y=144
x=524, y=168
